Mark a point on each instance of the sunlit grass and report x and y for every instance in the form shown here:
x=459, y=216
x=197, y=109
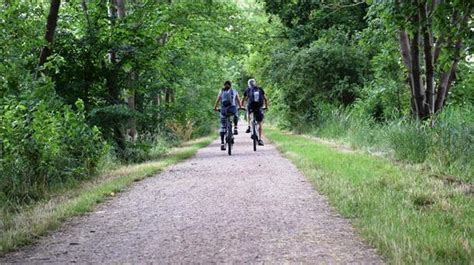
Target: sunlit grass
x=408, y=216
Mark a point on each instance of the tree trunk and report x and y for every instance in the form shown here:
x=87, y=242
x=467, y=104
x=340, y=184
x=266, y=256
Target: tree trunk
x=132, y=123
x=50, y=30
x=158, y=98
x=167, y=95
x=120, y=6
x=416, y=76
x=406, y=56
x=447, y=79
x=425, y=102
x=428, y=47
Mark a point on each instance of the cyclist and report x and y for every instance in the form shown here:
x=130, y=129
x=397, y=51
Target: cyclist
x=256, y=99
x=229, y=99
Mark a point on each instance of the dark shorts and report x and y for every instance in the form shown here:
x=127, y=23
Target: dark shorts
x=258, y=114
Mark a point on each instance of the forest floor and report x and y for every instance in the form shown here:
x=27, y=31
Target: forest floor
x=248, y=207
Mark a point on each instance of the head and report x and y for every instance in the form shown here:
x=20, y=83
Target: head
x=252, y=83
x=227, y=84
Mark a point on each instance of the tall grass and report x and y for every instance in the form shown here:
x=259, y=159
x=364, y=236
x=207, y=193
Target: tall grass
x=446, y=148
x=408, y=217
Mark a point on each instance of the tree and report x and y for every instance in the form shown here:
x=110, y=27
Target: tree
x=50, y=30
x=306, y=20
x=432, y=36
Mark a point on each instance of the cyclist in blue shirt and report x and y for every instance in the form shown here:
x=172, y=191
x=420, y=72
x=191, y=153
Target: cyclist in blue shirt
x=229, y=99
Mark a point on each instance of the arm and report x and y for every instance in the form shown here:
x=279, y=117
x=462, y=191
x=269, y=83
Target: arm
x=244, y=98
x=237, y=98
x=218, y=100
x=266, y=101
x=243, y=101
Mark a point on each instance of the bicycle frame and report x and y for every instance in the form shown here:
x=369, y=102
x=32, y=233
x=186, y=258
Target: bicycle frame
x=254, y=131
x=228, y=136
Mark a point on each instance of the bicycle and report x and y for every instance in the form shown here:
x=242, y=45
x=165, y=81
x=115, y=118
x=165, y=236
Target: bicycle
x=229, y=135
x=254, y=131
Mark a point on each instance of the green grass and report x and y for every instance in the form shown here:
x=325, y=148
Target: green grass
x=447, y=149
x=24, y=226
x=408, y=216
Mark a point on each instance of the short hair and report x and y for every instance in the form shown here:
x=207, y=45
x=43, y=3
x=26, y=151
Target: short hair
x=251, y=82
x=227, y=83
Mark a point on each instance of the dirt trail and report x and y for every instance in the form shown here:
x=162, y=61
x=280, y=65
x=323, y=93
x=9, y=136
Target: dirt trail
x=251, y=207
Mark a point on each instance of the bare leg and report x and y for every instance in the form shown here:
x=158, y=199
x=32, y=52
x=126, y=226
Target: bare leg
x=260, y=131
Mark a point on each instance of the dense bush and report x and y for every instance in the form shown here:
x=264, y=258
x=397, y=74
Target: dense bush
x=43, y=143
x=326, y=71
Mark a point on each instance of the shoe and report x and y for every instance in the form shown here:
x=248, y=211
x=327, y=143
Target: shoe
x=260, y=142
x=222, y=147
x=235, y=131
x=248, y=130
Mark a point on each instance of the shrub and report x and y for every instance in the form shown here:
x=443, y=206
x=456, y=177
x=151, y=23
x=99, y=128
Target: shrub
x=43, y=143
x=410, y=141
x=453, y=142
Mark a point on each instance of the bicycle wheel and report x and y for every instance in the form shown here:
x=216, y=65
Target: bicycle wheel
x=254, y=137
x=229, y=137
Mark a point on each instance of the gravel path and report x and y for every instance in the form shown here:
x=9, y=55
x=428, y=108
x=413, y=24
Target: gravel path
x=251, y=207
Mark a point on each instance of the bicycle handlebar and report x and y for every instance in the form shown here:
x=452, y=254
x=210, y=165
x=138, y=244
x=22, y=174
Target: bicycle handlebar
x=218, y=110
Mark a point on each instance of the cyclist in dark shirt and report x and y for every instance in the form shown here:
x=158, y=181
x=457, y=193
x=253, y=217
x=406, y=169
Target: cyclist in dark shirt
x=256, y=109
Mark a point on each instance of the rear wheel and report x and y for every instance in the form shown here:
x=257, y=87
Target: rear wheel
x=229, y=137
x=254, y=137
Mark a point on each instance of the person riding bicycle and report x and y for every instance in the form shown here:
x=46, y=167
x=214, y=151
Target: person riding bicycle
x=256, y=100
x=229, y=99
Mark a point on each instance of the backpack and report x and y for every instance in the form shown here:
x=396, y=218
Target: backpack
x=255, y=97
x=227, y=97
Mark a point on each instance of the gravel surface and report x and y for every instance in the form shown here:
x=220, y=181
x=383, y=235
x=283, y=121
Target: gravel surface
x=250, y=207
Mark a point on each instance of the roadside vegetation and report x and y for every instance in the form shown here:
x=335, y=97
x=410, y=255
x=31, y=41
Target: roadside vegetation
x=408, y=215
x=355, y=73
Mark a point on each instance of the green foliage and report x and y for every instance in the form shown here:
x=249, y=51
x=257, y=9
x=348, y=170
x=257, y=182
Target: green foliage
x=408, y=216
x=452, y=151
x=305, y=20
x=326, y=71
x=382, y=101
x=175, y=51
x=170, y=57
x=446, y=148
x=410, y=142
x=336, y=71
x=44, y=143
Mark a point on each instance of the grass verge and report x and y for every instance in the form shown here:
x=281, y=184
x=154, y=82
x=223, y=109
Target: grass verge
x=409, y=217
x=29, y=223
